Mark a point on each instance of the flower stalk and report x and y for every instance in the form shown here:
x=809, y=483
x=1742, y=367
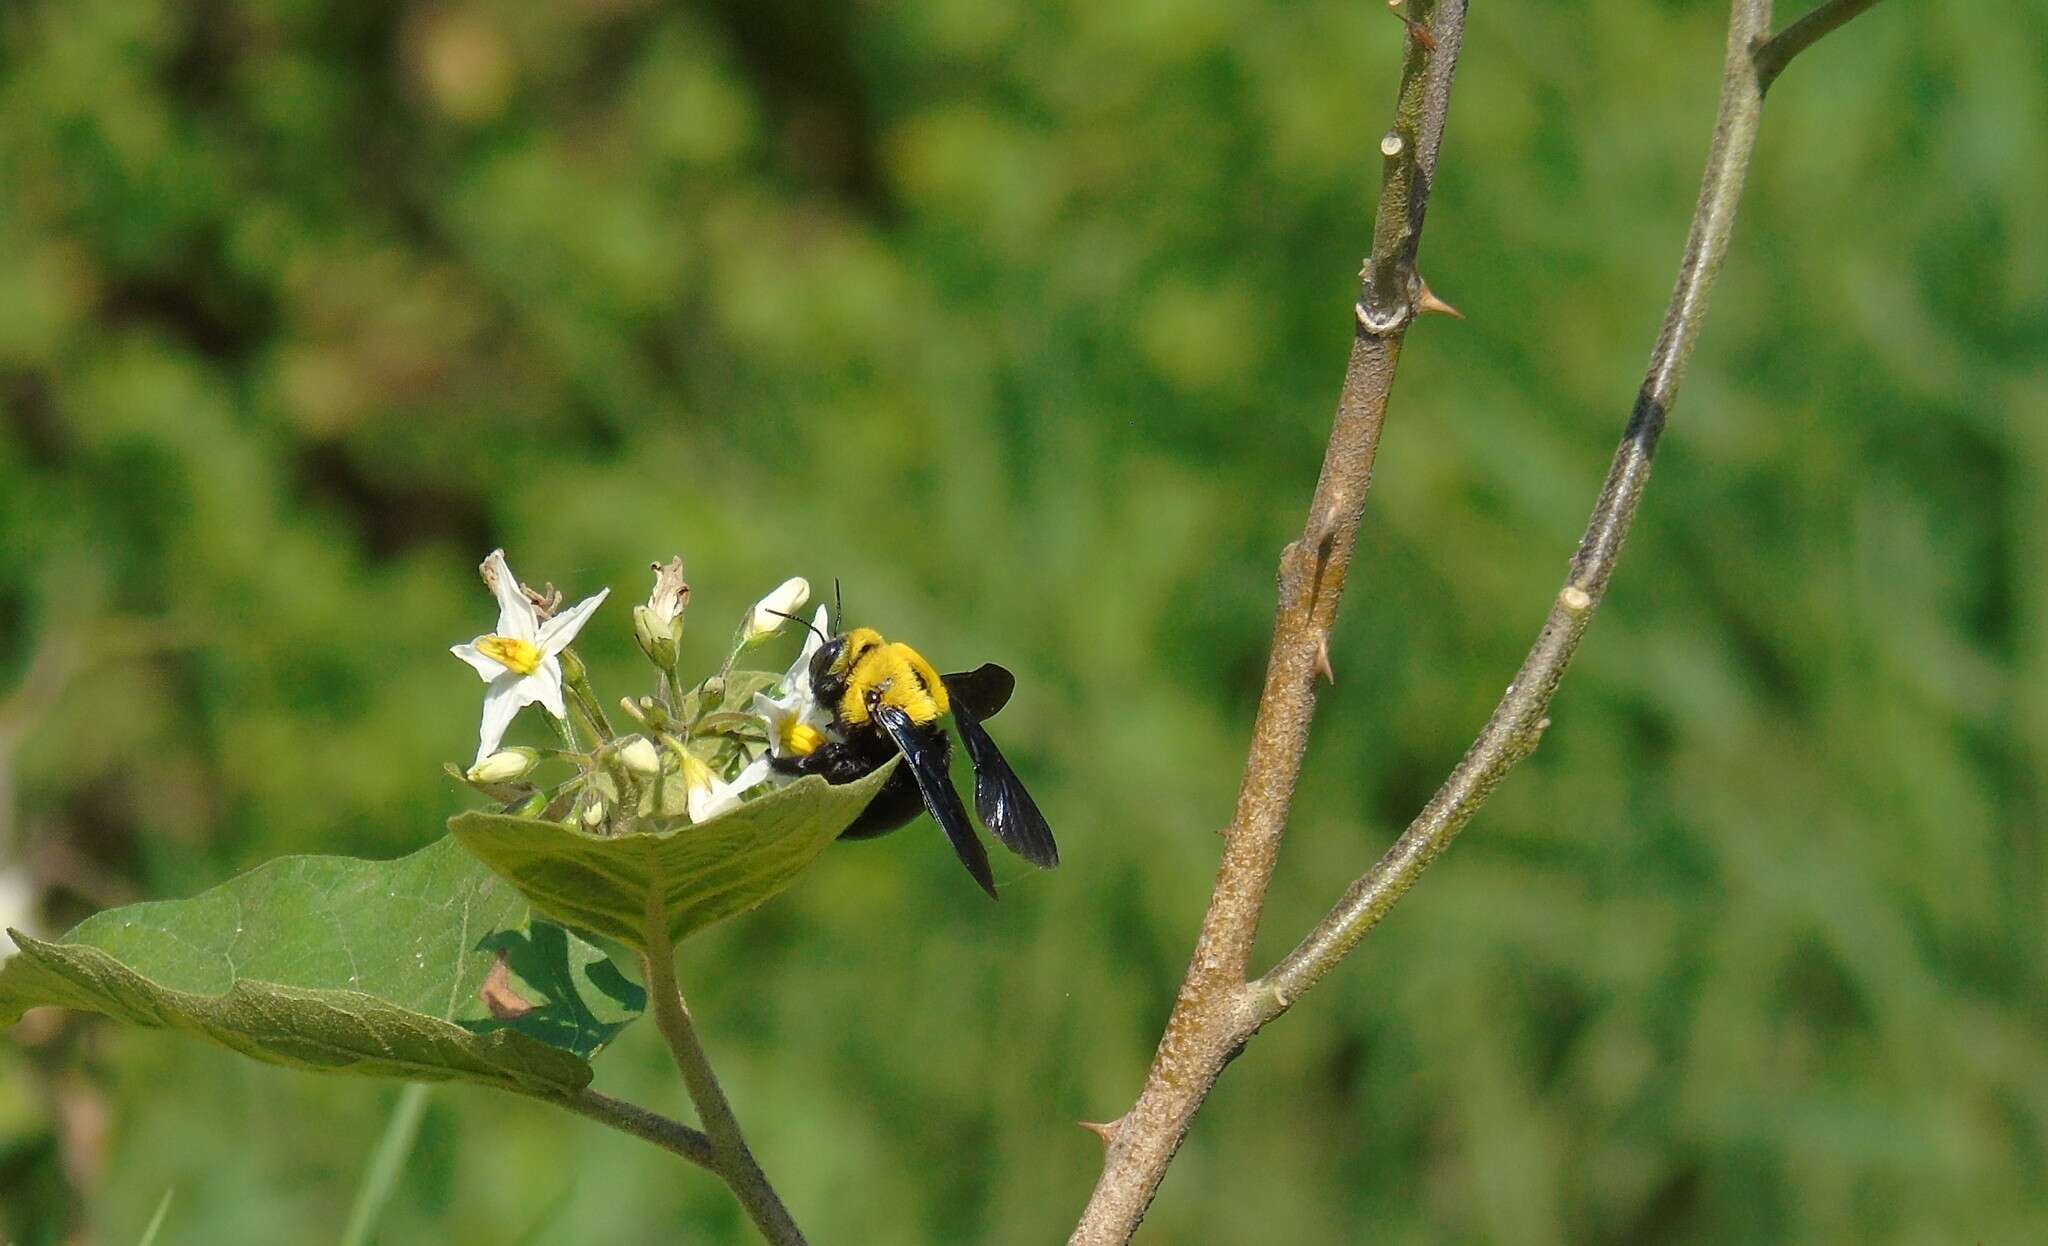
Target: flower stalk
x=731, y=1158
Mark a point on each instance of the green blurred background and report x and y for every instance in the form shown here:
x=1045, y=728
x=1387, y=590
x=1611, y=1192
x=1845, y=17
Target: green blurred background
x=1026, y=321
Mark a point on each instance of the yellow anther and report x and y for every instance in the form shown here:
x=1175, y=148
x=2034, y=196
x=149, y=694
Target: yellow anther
x=800, y=737
x=511, y=653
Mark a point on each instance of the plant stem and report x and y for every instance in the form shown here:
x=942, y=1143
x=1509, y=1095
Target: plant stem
x=669, y=1135
x=577, y=677
x=386, y=1162
x=1772, y=57
x=1217, y=1011
x=1209, y=1017
x=1517, y=724
x=730, y=1155
x=156, y=1222
x=1518, y=721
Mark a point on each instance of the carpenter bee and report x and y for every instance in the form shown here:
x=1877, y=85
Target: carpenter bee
x=885, y=699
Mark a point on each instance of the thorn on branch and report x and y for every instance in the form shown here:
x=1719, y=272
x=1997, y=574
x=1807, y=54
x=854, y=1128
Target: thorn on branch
x=1427, y=301
x=1416, y=30
x=1105, y=1130
x=1323, y=659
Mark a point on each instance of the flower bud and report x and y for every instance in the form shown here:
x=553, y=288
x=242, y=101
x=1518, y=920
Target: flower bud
x=656, y=640
x=18, y=901
x=769, y=614
x=641, y=757
x=658, y=625
x=507, y=765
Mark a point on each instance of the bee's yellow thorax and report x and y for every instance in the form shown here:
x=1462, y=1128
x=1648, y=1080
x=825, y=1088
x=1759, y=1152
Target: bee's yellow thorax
x=895, y=672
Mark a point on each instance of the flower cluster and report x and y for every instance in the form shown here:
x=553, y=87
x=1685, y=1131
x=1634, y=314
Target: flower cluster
x=698, y=750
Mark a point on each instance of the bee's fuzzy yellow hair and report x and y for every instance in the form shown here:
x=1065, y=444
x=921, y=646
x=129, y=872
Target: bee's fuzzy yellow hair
x=896, y=671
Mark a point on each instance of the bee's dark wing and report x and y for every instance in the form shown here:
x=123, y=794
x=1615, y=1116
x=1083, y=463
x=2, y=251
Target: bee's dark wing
x=985, y=690
x=927, y=764
x=999, y=796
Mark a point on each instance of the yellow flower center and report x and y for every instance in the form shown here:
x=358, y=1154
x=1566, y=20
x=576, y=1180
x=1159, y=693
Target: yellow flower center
x=800, y=737
x=511, y=653
x=696, y=774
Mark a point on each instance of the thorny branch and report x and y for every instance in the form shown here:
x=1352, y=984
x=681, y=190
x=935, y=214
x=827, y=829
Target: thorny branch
x=1217, y=1011
x=1210, y=1019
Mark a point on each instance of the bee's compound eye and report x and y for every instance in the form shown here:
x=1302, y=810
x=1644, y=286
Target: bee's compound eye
x=822, y=683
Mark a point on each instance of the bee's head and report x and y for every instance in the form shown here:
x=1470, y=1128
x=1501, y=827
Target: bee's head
x=828, y=671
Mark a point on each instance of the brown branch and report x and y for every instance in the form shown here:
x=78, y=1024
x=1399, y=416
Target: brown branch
x=1519, y=720
x=1217, y=1012
x=1210, y=1018
x=1778, y=51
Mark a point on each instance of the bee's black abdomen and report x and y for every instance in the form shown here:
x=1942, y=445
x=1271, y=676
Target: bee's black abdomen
x=900, y=800
x=896, y=806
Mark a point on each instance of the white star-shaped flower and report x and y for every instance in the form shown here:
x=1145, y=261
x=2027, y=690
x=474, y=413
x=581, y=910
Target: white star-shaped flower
x=708, y=795
x=796, y=722
x=519, y=660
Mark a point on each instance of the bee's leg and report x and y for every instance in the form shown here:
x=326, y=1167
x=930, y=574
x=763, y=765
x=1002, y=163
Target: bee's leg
x=835, y=760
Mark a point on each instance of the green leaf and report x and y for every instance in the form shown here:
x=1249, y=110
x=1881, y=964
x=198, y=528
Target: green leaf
x=692, y=875
x=737, y=695
x=323, y=963
x=584, y=1001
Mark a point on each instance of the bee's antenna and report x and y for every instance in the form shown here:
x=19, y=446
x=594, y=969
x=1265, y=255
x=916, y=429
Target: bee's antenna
x=806, y=624
x=838, y=610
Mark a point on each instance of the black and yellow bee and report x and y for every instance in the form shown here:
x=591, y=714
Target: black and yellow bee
x=885, y=700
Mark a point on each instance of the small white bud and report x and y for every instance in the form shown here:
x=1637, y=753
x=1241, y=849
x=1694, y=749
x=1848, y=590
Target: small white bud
x=507, y=765
x=767, y=616
x=641, y=757
x=593, y=814
x=17, y=907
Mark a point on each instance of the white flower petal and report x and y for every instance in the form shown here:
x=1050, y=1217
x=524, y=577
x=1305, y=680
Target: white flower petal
x=771, y=612
x=753, y=774
x=556, y=633
x=545, y=686
x=488, y=667
x=516, y=615
x=711, y=799
x=502, y=702
x=796, y=681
